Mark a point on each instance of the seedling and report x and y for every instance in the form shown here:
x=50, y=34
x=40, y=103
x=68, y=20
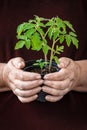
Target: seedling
x=36, y=34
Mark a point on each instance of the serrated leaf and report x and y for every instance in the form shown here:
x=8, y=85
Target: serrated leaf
x=45, y=41
x=19, y=44
x=29, y=32
x=56, y=59
x=36, y=42
x=68, y=40
x=62, y=29
x=60, y=25
x=58, y=20
x=28, y=26
x=39, y=18
x=39, y=60
x=40, y=30
x=41, y=24
x=59, y=49
x=20, y=28
x=75, y=41
x=28, y=44
x=55, y=35
x=31, y=21
x=61, y=38
x=72, y=34
x=49, y=23
x=45, y=49
x=69, y=25
x=50, y=33
x=22, y=37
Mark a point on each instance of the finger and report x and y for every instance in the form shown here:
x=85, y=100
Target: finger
x=60, y=85
x=18, y=62
x=53, y=98
x=55, y=92
x=23, y=76
x=64, y=62
x=56, y=75
x=28, y=99
x=12, y=86
x=27, y=85
x=27, y=93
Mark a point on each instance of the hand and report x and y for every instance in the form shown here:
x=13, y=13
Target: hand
x=25, y=85
x=60, y=83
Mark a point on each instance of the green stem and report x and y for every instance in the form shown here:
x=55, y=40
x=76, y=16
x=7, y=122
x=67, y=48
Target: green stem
x=43, y=37
x=45, y=57
x=51, y=55
x=52, y=52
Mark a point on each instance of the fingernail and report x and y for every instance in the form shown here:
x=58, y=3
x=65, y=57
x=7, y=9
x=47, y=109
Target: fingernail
x=38, y=76
x=46, y=77
x=19, y=65
x=41, y=82
x=62, y=65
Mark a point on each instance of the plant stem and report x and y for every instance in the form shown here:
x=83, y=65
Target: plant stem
x=51, y=55
x=52, y=51
x=45, y=57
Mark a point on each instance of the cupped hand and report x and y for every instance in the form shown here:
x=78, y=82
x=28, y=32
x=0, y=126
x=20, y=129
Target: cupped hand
x=25, y=85
x=58, y=84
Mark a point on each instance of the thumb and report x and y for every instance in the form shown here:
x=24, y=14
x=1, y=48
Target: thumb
x=18, y=62
x=64, y=62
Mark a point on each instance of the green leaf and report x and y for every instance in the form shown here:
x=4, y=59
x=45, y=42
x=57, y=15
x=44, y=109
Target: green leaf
x=68, y=40
x=19, y=44
x=50, y=33
x=60, y=25
x=40, y=63
x=61, y=38
x=55, y=35
x=49, y=23
x=45, y=49
x=29, y=33
x=28, y=44
x=69, y=25
x=40, y=30
x=39, y=18
x=24, y=26
x=22, y=37
x=72, y=34
x=59, y=49
x=41, y=24
x=28, y=26
x=20, y=28
x=56, y=59
x=62, y=29
x=36, y=42
x=75, y=41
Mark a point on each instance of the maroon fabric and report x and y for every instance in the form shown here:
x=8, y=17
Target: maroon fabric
x=70, y=113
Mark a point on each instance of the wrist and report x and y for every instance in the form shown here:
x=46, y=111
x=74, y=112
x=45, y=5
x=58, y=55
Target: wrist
x=2, y=75
x=78, y=70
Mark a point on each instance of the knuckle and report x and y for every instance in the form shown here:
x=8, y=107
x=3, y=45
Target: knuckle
x=54, y=85
x=21, y=76
x=21, y=87
x=21, y=99
x=26, y=100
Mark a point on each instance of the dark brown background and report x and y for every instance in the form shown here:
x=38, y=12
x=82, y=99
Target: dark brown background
x=71, y=112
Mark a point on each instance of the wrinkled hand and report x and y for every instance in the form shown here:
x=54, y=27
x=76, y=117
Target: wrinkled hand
x=60, y=83
x=25, y=85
